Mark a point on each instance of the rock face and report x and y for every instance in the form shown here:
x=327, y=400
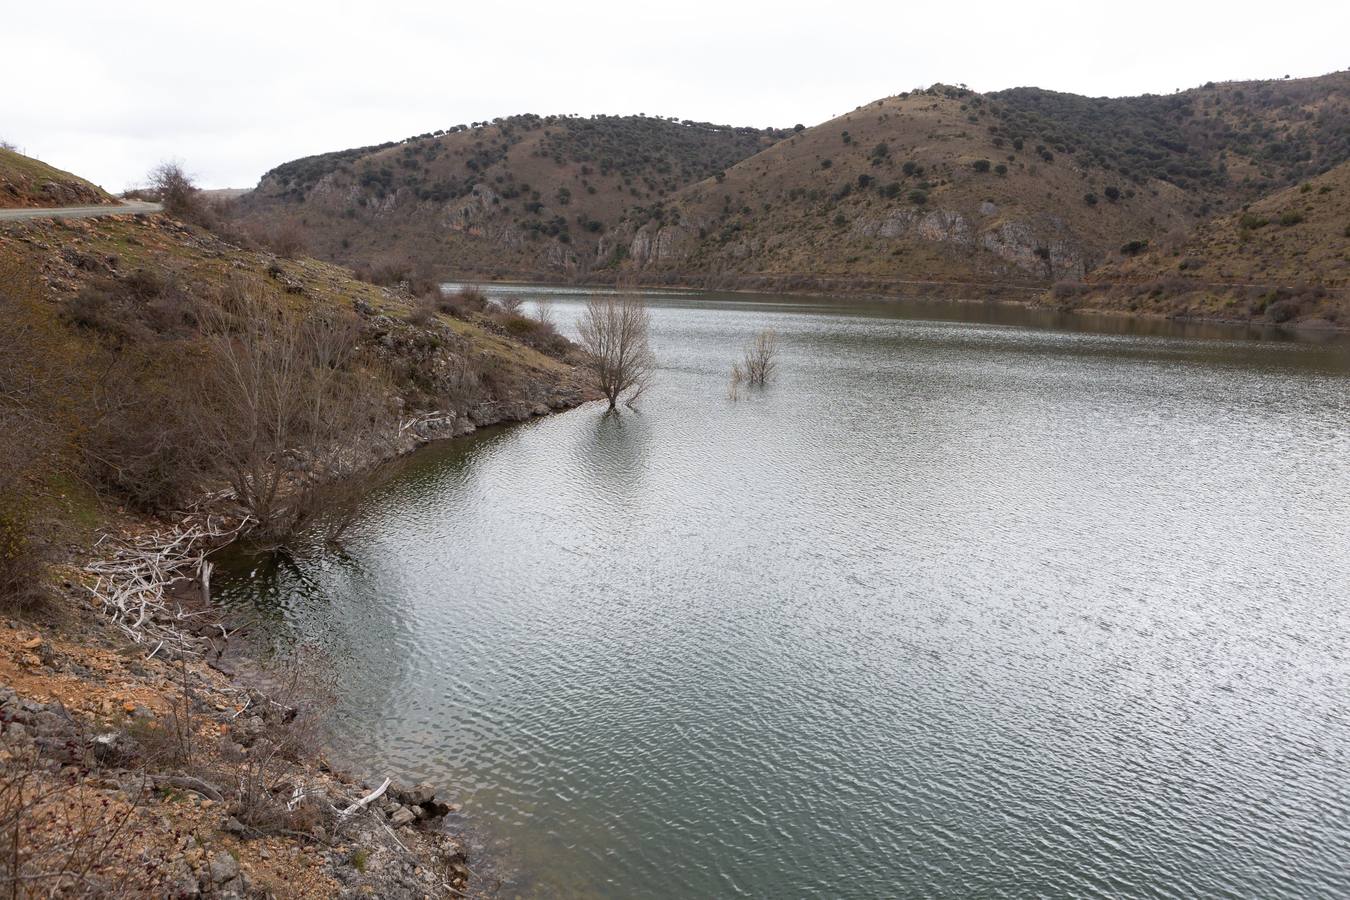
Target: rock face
x=655, y=243
x=1046, y=250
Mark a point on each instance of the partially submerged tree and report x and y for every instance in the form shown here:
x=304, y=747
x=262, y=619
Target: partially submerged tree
x=761, y=358
x=617, y=359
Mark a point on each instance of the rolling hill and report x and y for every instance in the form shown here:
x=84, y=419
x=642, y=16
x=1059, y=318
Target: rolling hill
x=943, y=187
x=525, y=194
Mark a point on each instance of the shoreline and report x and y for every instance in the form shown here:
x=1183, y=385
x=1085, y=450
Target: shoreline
x=163, y=736
x=1307, y=327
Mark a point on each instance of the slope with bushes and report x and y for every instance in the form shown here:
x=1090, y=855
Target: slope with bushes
x=981, y=193
x=27, y=182
x=1283, y=258
x=161, y=378
x=1022, y=186
x=521, y=195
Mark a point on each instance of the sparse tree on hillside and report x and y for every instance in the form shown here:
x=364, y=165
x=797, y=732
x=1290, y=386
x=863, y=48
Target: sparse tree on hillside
x=617, y=358
x=175, y=188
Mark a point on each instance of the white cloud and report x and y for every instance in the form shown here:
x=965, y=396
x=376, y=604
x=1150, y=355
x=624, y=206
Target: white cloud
x=107, y=90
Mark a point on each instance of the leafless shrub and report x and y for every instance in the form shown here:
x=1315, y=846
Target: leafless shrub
x=287, y=240
x=761, y=358
x=617, y=358
x=462, y=303
x=57, y=835
x=541, y=335
x=283, y=407
x=511, y=305
x=423, y=310
x=736, y=383
x=1067, y=290
x=39, y=368
x=175, y=189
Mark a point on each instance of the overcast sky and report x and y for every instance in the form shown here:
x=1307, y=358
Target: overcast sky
x=106, y=90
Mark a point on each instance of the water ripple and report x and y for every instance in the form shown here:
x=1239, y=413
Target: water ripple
x=953, y=609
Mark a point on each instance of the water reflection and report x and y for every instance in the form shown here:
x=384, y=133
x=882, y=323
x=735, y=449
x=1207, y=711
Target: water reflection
x=613, y=450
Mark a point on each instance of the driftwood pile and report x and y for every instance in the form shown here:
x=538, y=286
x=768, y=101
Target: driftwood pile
x=132, y=578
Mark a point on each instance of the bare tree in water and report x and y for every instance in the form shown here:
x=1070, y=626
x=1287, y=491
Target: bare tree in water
x=761, y=358
x=617, y=358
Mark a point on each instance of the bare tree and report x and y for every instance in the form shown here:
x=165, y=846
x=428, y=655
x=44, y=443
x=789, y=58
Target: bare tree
x=616, y=356
x=543, y=313
x=761, y=358
x=175, y=188
x=283, y=408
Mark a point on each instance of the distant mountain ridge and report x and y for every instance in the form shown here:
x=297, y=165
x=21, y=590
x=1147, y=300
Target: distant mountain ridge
x=1010, y=190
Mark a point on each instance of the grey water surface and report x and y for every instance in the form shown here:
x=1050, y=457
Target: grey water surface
x=972, y=601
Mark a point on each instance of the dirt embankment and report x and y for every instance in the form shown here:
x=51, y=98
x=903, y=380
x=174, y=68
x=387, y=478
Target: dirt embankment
x=27, y=182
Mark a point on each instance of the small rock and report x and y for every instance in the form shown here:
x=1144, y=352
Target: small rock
x=422, y=793
x=234, y=826
x=402, y=816
x=223, y=867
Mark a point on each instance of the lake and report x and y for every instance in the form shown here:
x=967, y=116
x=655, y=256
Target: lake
x=971, y=600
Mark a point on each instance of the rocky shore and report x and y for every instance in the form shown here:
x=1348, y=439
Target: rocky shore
x=132, y=769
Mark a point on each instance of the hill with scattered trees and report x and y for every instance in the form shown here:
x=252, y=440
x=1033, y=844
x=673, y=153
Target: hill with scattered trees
x=938, y=189
x=520, y=195
x=1282, y=258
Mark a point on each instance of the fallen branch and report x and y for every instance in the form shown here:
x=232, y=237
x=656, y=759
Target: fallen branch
x=366, y=800
x=132, y=581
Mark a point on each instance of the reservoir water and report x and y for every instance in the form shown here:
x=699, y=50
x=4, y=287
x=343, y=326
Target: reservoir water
x=971, y=601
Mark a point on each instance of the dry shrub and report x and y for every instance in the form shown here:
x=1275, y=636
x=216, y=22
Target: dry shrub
x=541, y=335
x=287, y=240
x=42, y=389
x=284, y=406
x=760, y=359
x=1067, y=290
x=463, y=303
x=423, y=311
x=60, y=836
x=135, y=309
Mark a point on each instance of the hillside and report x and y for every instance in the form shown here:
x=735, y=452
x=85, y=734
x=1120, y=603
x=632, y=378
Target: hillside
x=27, y=182
x=164, y=391
x=1022, y=186
x=992, y=193
x=1284, y=257
x=525, y=194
